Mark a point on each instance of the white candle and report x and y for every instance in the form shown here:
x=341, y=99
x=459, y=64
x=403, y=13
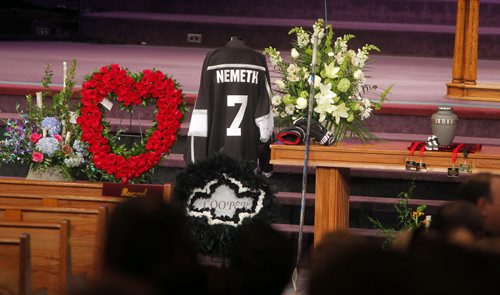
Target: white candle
x=65, y=70
x=39, y=99
x=63, y=123
x=68, y=136
x=44, y=132
x=72, y=117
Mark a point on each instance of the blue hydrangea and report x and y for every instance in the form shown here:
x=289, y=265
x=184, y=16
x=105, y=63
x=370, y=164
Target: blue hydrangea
x=74, y=161
x=48, y=145
x=79, y=146
x=52, y=125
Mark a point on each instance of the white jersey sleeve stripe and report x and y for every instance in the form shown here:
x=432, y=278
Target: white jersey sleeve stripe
x=199, y=123
x=245, y=66
x=269, y=91
x=265, y=124
x=192, y=150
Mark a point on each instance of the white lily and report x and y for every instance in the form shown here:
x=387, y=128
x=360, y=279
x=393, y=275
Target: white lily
x=325, y=102
x=323, y=108
x=294, y=53
x=325, y=93
x=340, y=112
x=331, y=70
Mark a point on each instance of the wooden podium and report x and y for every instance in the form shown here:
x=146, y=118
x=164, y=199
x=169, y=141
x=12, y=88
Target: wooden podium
x=464, y=75
x=333, y=163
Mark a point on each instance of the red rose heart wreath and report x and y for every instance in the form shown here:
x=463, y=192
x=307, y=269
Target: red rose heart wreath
x=129, y=89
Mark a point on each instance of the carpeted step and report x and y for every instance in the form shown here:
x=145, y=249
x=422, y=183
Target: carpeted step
x=407, y=11
x=422, y=39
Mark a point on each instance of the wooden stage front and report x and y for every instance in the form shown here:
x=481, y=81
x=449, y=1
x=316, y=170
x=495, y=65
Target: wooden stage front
x=332, y=171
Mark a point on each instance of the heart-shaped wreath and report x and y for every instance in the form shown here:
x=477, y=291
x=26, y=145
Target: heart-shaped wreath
x=147, y=87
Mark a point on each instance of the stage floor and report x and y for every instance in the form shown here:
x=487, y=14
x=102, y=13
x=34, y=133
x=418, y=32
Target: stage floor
x=417, y=80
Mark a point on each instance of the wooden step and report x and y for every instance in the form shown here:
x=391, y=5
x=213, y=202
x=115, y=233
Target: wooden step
x=361, y=202
x=309, y=229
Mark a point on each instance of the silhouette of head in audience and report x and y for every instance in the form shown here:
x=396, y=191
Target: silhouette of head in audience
x=484, y=191
x=458, y=222
x=347, y=264
x=261, y=259
x=148, y=239
x=344, y=263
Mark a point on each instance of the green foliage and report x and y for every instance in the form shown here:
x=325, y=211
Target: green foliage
x=408, y=217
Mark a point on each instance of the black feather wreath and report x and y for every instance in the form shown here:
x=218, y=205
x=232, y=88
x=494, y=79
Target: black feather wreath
x=215, y=239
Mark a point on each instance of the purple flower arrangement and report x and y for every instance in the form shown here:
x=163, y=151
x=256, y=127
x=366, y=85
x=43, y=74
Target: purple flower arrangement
x=44, y=137
x=13, y=147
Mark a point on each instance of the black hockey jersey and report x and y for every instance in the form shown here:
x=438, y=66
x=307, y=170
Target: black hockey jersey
x=232, y=111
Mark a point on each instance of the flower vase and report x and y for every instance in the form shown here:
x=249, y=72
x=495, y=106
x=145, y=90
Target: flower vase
x=49, y=173
x=444, y=125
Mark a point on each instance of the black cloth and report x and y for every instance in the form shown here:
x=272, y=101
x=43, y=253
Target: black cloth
x=232, y=111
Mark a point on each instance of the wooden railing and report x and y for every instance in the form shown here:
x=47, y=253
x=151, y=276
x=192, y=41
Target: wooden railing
x=464, y=74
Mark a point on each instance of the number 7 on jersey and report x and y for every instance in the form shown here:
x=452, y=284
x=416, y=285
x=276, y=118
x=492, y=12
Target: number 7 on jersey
x=232, y=100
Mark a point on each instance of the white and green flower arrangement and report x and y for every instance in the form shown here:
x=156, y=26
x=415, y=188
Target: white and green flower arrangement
x=341, y=92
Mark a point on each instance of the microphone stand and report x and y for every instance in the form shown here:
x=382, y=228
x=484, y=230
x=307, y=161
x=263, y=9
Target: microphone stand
x=306, y=160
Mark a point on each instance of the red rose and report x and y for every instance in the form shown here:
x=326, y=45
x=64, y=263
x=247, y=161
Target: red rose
x=35, y=137
x=104, y=70
x=58, y=137
x=37, y=157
